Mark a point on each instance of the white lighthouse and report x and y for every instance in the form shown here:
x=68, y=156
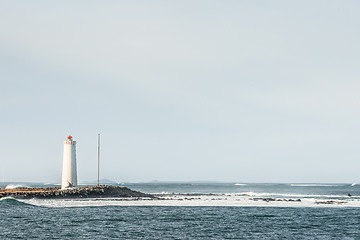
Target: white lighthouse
x=69, y=174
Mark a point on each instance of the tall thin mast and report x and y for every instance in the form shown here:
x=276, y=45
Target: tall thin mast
x=98, y=178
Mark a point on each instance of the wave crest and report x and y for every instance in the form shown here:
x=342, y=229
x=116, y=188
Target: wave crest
x=10, y=201
x=15, y=186
x=312, y=185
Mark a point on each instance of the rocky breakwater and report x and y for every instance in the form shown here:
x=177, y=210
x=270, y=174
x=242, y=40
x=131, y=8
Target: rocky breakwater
x=101, y=191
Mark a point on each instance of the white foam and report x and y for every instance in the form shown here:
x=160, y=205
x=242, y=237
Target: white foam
x=312, y=185
x=233, y=200
x=290, y=195
x=4, y=198
x=14, y=186
x=240, y=184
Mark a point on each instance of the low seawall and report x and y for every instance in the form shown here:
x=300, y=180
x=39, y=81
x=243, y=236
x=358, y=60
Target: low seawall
x=101, y=191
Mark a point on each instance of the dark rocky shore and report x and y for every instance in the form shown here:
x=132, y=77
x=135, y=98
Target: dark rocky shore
x=102, y=191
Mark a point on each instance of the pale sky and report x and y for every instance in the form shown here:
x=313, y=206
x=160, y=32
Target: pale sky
x=240, y=91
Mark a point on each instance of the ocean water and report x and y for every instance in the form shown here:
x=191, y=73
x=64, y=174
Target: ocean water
x=192, y=211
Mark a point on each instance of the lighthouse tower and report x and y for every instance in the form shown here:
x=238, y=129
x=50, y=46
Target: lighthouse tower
x=69, y=175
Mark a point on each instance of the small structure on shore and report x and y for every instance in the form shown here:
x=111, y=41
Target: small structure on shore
x=69, y=172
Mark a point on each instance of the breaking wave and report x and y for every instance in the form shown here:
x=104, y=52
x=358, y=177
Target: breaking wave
x=246, y=199
x=9, y=201
x=312, y=185
x=230, y=194
x=293, y=195
x=15, y=186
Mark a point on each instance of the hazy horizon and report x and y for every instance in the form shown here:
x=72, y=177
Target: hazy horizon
x=111, y=182
x=229, y=91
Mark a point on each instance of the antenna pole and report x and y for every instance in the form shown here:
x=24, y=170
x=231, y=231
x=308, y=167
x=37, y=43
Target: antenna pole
x=98, y=178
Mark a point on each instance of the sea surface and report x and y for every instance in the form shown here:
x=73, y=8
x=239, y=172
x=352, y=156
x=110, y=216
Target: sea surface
x=191, y=211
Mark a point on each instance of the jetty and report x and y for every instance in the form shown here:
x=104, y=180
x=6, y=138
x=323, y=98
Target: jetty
x=69, y=187
x=101, y=191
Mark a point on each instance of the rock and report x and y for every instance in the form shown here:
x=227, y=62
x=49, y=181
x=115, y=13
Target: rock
x=102, y=191
x=275, y=199
x=330, y=202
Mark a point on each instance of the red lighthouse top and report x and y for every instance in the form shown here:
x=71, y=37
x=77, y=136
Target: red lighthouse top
x=69, y=138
